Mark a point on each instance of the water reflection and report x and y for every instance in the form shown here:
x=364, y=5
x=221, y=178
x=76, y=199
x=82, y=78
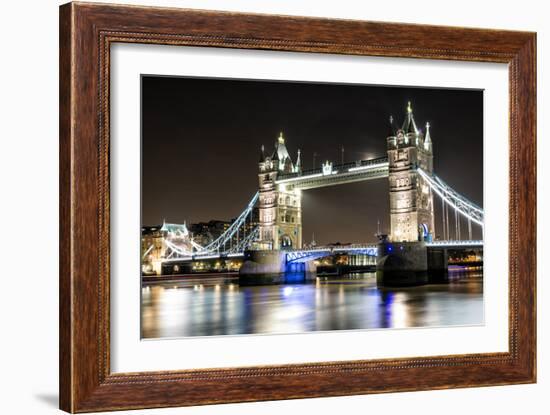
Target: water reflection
x=220, y=306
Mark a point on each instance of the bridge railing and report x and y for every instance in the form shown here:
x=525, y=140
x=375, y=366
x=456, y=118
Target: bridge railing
x=332, y=248
x=301, y=255
x=456, y=243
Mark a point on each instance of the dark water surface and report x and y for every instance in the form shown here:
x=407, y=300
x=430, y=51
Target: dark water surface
x=218, y=306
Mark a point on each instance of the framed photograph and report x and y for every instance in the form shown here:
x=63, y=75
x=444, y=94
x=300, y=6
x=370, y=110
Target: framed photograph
x=258, y=207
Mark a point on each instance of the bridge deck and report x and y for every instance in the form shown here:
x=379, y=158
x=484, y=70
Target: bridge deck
x=301, y=255
x=339, y=174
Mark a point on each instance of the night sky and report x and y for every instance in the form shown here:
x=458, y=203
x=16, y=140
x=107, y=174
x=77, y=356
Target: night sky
x=201, y=140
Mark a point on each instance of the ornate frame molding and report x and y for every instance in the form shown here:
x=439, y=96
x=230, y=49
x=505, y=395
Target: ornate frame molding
x=86, y=34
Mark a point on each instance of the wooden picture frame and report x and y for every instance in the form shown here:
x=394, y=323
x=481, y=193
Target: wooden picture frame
x=86, y=33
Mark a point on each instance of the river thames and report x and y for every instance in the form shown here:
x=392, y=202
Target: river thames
x=214, y=306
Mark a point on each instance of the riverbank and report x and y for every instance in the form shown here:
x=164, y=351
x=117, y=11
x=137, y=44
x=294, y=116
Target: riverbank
x=188, y=277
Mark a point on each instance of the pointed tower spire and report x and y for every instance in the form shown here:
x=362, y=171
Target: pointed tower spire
x=280, y=154
x=392, y=129
x=298, y=161
x=409, y=126
x=275, y=155
x=262, y=154
x=427, y=138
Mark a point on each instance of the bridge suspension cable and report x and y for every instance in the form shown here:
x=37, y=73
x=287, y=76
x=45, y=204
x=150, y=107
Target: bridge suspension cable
x=219, y=244
x=245, y=242
x=174, y=249
x=444, y=224
x=148, y=250
x=447, y=229
x=458, y=202
x=234, y=240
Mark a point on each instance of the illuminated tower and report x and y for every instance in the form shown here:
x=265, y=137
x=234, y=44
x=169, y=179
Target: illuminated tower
x=280, y=210
x=411, y=199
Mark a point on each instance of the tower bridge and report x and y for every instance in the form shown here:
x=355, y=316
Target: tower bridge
x=408, y=166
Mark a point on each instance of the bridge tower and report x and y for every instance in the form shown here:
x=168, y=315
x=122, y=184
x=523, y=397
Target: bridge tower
x=411, y=199
x=280, y=210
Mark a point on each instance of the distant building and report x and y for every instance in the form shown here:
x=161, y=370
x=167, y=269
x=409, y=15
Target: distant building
x=251, y=224
x=204, y=233
x=160, y=242
x=207, y=232
x=152, y=249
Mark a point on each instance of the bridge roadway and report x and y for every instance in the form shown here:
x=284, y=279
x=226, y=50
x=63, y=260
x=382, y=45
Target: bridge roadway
x=310, y=254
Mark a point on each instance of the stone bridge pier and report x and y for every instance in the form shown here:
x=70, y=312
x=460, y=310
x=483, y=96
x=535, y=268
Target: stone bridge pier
x=271, y=267
x=402, y=264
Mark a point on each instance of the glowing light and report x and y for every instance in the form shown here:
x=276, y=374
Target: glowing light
x=207, y=256
x=327, y=168
x=455, y=243
x=400, y=313
x=185, y=258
